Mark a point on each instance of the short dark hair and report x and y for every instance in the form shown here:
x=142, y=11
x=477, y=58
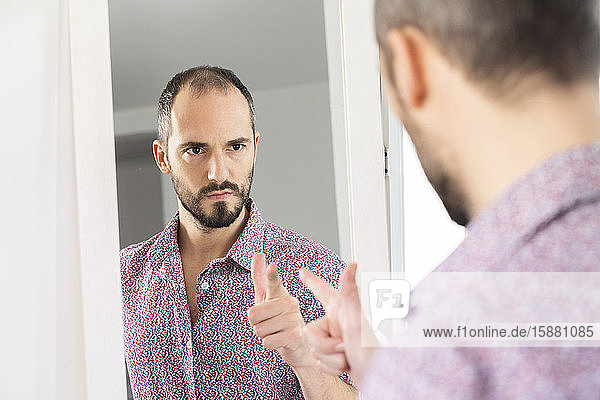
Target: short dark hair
x=200, y=80
x=497, y=42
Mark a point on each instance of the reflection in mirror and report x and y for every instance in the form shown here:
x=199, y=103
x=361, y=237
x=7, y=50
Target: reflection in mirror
x=278, y=51
x=282, y=60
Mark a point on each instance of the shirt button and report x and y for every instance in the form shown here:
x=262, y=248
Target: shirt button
x=204, y=285
x=188, y=344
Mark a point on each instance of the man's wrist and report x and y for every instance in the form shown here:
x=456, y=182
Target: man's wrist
x=316, y=384
x=305, y=367
x=308, y=371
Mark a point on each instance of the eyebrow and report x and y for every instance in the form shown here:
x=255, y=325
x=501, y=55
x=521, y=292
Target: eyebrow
x=191, y=144
x=240, y=140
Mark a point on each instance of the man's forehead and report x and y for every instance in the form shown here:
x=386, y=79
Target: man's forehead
x=207, y=137
x=214, y=114
x=211, y=102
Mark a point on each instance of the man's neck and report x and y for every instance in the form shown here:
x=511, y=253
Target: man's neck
x=202, y=244
x=500, y=145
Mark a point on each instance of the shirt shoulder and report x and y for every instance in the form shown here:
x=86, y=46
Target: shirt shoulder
x=568, y=242
x=291, y=251
x=294, y=250
x=135, y=256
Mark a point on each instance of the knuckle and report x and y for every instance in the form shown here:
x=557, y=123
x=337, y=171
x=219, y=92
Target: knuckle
x=291, y=317
x=268, y=344
x=297, y=333
x=252, y=316
x=309, y=337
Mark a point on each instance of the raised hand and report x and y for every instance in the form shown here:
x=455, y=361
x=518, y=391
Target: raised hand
x=336, y=338
x=275, y=316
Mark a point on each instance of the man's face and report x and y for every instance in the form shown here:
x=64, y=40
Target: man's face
x=211, y=152
x=432, y=153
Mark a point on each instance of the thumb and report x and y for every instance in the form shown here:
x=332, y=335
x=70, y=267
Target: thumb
x=274, y=288
x=257, y=271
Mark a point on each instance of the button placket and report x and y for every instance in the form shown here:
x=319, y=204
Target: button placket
x=202, y=285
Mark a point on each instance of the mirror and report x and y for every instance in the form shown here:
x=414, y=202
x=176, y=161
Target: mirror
x=277, y=49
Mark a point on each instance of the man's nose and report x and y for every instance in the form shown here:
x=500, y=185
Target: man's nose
x=217, y=170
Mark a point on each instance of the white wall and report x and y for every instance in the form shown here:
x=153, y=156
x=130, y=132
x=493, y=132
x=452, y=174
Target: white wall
x=429, y=234
x=294, y=180
x=294, y=177
x=422, y=234
x=61, y=335
x=30, y=48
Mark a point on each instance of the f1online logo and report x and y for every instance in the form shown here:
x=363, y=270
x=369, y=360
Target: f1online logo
x=389, y=299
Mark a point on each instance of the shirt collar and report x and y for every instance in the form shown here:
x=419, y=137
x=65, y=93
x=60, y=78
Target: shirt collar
x=250, y=241
x=558, y=185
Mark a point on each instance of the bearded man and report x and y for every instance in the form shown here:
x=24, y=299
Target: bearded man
x=204, y=316
x=500, y=99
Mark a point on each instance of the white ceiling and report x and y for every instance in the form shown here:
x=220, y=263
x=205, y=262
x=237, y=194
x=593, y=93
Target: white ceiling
x=268, y=43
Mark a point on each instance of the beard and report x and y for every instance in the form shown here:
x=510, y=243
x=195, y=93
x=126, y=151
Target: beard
x=445, y=185
x=219, y=214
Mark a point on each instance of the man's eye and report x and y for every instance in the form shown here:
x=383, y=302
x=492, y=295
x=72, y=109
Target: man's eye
x=237, y=147
x=194, y=150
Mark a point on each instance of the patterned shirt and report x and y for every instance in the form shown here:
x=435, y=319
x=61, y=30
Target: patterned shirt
x=219, y=356
x=549, y=221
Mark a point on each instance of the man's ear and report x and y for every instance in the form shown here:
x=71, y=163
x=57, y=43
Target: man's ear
x=406, y=48
x=256, y=140
x=160, y=156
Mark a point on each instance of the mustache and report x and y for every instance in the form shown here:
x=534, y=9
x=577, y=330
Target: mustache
x=215, y=187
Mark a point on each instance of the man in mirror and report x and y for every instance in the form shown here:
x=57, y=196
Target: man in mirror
x=213, y=306
x=500, y=99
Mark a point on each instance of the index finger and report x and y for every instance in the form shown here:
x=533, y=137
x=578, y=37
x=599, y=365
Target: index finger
x=322, y=290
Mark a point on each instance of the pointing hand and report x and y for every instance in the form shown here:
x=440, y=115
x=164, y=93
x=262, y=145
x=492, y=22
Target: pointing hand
x=275, y=316
x=336, y=338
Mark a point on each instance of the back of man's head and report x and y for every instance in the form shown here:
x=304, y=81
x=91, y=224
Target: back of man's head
x=496, y=43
